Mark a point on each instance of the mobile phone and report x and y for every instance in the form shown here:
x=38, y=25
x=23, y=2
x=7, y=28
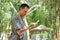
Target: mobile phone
x=37, y=21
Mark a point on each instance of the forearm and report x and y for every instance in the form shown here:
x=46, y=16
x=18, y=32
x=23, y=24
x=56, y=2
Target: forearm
x=26, y=28
x=23, y=30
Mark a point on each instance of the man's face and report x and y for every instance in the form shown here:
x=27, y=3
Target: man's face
x=23, y=11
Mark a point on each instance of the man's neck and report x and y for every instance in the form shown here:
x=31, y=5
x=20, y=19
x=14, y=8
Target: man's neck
x=20, y=15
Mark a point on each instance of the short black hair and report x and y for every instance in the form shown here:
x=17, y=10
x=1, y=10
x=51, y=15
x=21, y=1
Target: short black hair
x=23, y=6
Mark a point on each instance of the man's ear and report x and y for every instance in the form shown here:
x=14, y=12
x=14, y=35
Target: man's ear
x=20, y=8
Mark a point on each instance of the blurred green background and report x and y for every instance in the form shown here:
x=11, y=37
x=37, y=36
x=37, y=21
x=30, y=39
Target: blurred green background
x=46, y=11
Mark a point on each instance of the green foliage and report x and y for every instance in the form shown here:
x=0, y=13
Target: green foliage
x=46, y=14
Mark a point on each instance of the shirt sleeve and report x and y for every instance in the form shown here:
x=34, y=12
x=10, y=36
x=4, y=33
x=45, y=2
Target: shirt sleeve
x=15, y=23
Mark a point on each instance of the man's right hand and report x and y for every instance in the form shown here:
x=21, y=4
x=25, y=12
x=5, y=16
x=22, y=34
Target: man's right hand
x=32, y=25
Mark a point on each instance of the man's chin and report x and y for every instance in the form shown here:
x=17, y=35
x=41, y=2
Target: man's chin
x=22, y=16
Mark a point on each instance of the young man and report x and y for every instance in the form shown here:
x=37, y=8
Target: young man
x=18, y=25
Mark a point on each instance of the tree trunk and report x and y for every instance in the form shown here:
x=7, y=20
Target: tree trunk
x=28, y=38
x=55, y=30
x=59, y=20
x=54, y=27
